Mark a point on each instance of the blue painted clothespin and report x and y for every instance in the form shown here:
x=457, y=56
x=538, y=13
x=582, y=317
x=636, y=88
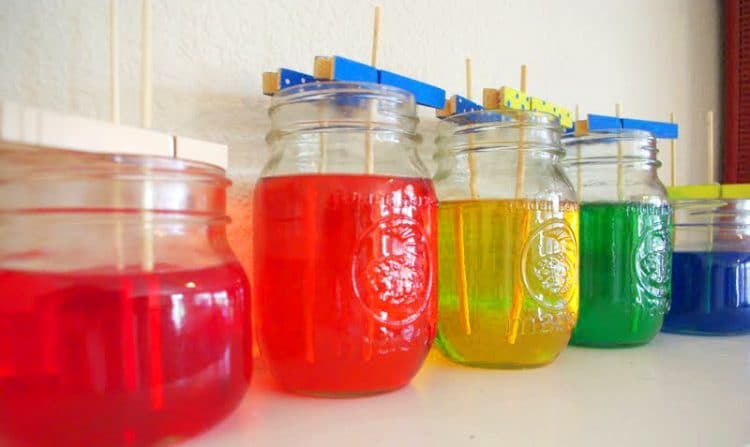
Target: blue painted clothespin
x=424, y=94
x=273, y=81
x=657, y=128
x=458, y=104
x=595, y=123
x=337, y=68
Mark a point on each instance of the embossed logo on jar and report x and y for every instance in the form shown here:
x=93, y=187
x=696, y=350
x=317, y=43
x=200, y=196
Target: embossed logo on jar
x=651, y=266
x=549, y=264
x=391, y=271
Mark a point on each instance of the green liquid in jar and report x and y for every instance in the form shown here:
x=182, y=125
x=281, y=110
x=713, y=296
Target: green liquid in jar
x=626, y=256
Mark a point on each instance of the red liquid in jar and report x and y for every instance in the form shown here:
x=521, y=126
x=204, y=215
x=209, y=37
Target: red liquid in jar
x=345, y=271
x=128, y=358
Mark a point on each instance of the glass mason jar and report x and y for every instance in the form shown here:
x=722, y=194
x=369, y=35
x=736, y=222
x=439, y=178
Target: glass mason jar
x=508, y=240
x=125, y=315
x=626, y=242
x=710, y=268
x=344, y=241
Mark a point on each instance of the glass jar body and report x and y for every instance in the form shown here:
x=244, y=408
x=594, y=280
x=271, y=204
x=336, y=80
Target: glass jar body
x=625, y=238
x=344, y=254
x=126, y=315
x=508, y=241
x=710, y=267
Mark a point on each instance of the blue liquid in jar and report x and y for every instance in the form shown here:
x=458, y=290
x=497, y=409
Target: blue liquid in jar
x=710, y=293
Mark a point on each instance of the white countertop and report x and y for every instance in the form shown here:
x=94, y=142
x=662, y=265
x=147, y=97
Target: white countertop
x=676, y=391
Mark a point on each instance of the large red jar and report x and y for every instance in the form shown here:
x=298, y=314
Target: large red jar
x=344, y=241
x=124, y=318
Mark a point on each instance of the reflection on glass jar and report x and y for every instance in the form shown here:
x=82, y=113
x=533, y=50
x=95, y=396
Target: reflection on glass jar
x=626, y=244
x=125, y=319
x=344, y=237
x=711, y=267
x=508, y=240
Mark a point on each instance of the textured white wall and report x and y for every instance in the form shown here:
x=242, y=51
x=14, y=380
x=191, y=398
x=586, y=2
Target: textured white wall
x=654, y=56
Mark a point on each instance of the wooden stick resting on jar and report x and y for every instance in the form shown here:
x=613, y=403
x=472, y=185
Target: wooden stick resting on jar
x=147, y=253
x=114, y=56
x=672, y=156
x=309, y=299
x=323, y=140
x=521, y=161
x=620, y=180
x=370, y=166
x=369, y=156
x=710, y=146
x=516, y=306
x=147, y=249
x=579, y=179
x=146, y=83
x=472, y=158
x=673, y=168
x=114, y=63
x=458, y=234
x=147, y=246
x=710, y=167
x=311, y=279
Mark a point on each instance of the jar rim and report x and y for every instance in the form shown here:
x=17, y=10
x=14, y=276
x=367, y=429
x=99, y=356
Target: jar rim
x=22, y=162
x=476, y=131
x=703, y=205
x=490, y=118
x=644, y=154
x=335, y=106
x=314, y=89
x=609, y=135
x=710, y=212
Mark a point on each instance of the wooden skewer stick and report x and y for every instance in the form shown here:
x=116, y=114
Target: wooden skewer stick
x=471, y=157
x=458, y=235
x=114, y=56
x=146, y=84
x=673, y=156
x=119, y=230
x=311, y=280
x=468, y=80
x=370, y=165
x=323, y=138
x=375, y=37
x=323, y=141
x=620, y=180
x=521, y=161
x=579, y=179
x=516, y=306
x=462, y=285
x=312, y=248
x=147, y=253
x=673, y=168
x=710, y=167
x=710, y=146
x=369, y=156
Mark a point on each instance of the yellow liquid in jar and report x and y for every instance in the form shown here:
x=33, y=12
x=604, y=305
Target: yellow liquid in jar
x=508, y=281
